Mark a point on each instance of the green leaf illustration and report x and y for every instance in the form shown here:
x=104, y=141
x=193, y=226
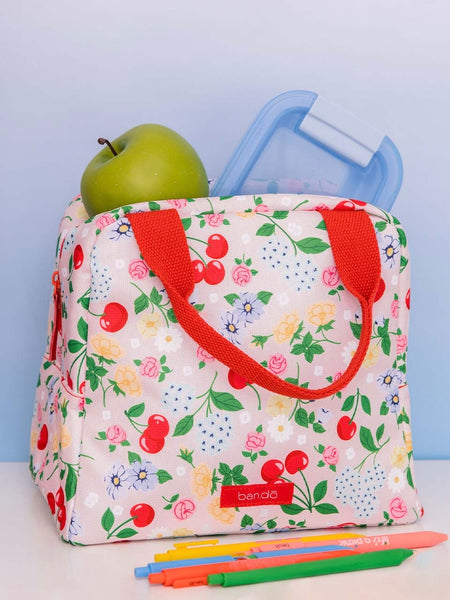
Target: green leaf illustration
x=356, y=329
x=301, y=417
x=264, y=296
x=71, y=483
x=82, y=328
x=246, y=521
x=135, y=411
x=348, y=403
x=266, y=229
x=107, y=519
x=133, y=457
x=365, y=403
x=186, y=223
x=226, y=401
x=280, y=214
x=155, y=297
x=366, y=439
x=75, y=346
x=163, y=476
x=230, y=298
x=320, y=491
x=379, y=432
x=312, y=245
x=141, y=303
x=126, y=533
x=292, y=509
x=184, y=426
x=326, y=508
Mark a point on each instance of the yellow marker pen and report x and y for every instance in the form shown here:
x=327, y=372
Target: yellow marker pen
x=207, y=548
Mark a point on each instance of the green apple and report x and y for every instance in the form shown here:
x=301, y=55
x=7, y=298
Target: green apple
x=148, y=162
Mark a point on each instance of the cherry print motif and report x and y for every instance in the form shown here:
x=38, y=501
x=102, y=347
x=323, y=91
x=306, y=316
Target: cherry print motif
x=346, y=428
x=158, y=427
x=272, y=470
x=408, y=299
x=345, y=205
x=78, y=257
x=51, y=502
x=114, y=317
x=295, y=461
x=59, y=497
x=150, y=445
x=61, y=517
x=235, y=380
x=217, y=246
x=214, y=272
x=43, y=438
x=143, y=514
x=199, y=270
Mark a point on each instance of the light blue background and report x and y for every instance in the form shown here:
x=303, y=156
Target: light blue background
x=71, y=72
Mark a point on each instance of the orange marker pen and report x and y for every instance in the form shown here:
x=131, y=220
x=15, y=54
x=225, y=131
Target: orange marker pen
x=198, y=575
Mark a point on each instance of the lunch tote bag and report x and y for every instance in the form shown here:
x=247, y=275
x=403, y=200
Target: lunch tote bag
x=226, y=365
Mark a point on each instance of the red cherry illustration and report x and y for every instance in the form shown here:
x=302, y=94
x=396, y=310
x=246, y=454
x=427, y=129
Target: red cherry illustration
x=214, y=272
x=82, y=386
x=114, y=317
x=69, y=380
x=51, y=502
x=150, y=445
x=199, y=270
x=59, y=497
x=380, y=290
x=345, y=205
x=143, y=514
x=61, y=517
x=346, y=428
x=408, y=299
x=271, y=470
x=158, y=427
x=295, y=461
x=236, y=381
x=217, y=246
x=43, y=438
x=78, y=257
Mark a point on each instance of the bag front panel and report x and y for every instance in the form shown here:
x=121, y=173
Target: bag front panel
x=167, y=426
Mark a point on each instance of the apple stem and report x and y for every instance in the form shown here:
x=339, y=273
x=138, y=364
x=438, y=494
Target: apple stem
x=108, y=143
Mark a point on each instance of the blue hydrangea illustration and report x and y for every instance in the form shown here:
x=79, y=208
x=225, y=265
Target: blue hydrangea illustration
x=215, y=432
x=178, y=398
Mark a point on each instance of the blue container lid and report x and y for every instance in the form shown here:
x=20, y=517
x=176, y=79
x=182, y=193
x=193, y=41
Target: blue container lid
x=301, y=143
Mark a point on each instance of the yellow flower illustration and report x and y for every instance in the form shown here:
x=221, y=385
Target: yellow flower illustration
x=81, y=212
x=182, y=532
x=279, y=405
x=201, y=481
x=55, y=442
x=149, y=324
x=224, y=515
x=65, y=437
x=33, y=439
x=286, y=327
x=408, y=441
x=106, y=347
x=372, y=356
x=128, y=381
x=399, y=457
x=321, y=314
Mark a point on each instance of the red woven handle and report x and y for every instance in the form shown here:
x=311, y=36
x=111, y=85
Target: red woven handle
x=162, y=242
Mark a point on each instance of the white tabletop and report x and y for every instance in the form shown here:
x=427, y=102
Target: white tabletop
x=34, y=563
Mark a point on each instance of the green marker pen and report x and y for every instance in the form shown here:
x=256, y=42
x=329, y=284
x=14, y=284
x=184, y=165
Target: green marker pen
x=358, y=562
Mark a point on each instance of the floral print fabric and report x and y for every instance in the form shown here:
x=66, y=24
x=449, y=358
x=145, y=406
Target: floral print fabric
x=136, y=428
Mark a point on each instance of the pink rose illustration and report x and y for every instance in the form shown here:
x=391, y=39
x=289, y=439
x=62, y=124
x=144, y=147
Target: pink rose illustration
x=138, y=269
x=402, y=343
x=330, y=277
x=116, y=434
x=81, y=404
x=337, y=376
x=214, y=220
x=181, y=203
x=397, y=508
x=331, y=455
x=277, y=364
x=150, y=367
x=184, y=509
x=204, y=356
x=262, y=208
x=104, y=221
x=241, y=275
x=255, y=441
x=394, y=309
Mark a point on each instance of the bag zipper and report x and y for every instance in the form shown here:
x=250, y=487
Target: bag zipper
x=57, y=325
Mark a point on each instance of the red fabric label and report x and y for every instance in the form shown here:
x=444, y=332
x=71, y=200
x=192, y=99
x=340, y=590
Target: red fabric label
x=256, y=495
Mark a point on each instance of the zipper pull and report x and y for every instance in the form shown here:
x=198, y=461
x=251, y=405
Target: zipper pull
x=57, y=325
